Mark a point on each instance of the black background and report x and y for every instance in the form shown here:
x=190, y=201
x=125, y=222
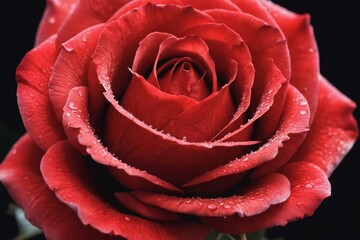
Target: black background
x=336, y=26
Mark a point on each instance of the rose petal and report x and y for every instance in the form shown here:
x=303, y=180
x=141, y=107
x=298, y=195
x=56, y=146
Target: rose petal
x=32, y=75
x=20, y=173
x=202, y=5
x=86, y=14
x=70, y=69
x=145, y=210
x=81, y=136
x=64, y=171
x=303, y=51
x=273, y=81
x=255, y=8
x=55, y=13
x=204, y=120
x=293, y=113
x=146, y=54
x=142, y=99
x=171, y=159
x=257, y=197
x=333, y=131
x=309, y=186
x=138, y=3
x=191, y=46
x=264, y=41
x=113, y=56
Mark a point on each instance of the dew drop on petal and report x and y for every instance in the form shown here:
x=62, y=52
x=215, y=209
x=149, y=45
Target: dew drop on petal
x=212, y=206
x=52, y=20
x=302, y=112
x=303, y=103
x=127, y=219
x=72, y=106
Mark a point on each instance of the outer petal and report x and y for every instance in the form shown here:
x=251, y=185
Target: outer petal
x=55, y=13
x=309, y=186
x=303, y=51
x=20, y=173
x=33, y=75
x=293, y=113
x=255, y=8
x=80, y=134
x=264, y=41
x=202, y=5
x=65, y=172
x=253, y=199
x=172, y=159
x=333, y=131
x=71, y=67
x=86, y=14
x=145, y=210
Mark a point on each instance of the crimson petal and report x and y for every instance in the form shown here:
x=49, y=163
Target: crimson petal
x=303, y=51
x=70, y=69
x=255, y=198
x=333, y=131
x=64, y=171
x=145, y=210
x=86, y=14
x=203, y=5
x=33, y=75
x=80, y=134
x=142, y=99
x=20, y=173
x=255, y=8
x=113, y=56
x=273, y=81
x=309, y=186
x=264, y=41
x=172, y=159
x=54, y=15
x=293, y=113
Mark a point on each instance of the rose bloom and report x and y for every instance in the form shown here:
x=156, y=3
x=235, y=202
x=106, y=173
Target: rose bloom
x=167, y=119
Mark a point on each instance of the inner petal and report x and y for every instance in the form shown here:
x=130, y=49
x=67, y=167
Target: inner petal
x=184, y=78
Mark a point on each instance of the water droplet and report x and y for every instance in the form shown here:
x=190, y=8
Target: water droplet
x=298, y=204
x=212, y=206
x=85, y=37
x=303, y=103
x=302, y=112
x=67, y=48
x=311, y=50
x=127, y=219
x=188, y=201
x=52, y=20
x=68, y=114
x=245, y=159
x=309, y=186
x=72, y=106
x=226, y=206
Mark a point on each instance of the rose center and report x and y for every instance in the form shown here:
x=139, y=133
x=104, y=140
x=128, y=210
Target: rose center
x=182, y=76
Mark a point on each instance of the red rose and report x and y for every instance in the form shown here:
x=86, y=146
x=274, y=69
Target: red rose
x=171, y=118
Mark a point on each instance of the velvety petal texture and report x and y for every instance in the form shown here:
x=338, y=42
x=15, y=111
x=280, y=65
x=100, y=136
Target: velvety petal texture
x=20, y=172
x=171, y=118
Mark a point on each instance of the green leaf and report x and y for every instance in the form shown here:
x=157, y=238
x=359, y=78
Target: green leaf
x=26, y=229
x=259, y=235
